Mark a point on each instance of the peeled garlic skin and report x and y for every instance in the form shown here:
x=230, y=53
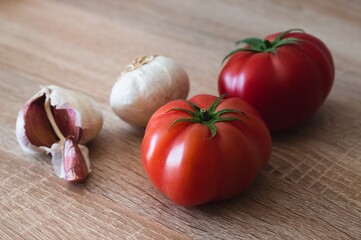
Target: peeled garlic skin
x=21, y=134
x=88, y=115
x=24, y=142
x=137, y=94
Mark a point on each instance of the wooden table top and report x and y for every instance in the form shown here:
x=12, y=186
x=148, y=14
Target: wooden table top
x=311, y=188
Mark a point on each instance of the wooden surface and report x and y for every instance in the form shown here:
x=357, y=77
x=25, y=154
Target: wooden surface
x=311, y=188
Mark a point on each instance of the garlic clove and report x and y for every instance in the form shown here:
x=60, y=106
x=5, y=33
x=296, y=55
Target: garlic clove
x=70, y=160
x=75, y=166
x=65, y=120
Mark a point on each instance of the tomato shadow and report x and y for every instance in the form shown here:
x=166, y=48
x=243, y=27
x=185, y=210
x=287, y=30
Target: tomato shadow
x=309, y=126
x=330, y=132
x=253, y=205
x=335, y=117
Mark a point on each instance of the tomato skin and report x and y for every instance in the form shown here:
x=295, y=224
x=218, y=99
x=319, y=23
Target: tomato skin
x=191, y=167
x=286, y=88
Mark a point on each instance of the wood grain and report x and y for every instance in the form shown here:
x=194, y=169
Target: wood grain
x=311, y=188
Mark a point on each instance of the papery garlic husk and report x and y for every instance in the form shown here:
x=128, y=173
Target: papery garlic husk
x=53, y=115
x=88, y=114
x=146, y=85
x=38, y=135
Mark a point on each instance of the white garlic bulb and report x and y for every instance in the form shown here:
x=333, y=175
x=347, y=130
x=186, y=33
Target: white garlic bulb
x=59, y=121
x=146, y=85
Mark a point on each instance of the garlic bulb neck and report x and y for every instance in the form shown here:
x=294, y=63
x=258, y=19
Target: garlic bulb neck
x=138, y=62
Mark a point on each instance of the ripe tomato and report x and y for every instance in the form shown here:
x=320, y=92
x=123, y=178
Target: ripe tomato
x=205, y=149
x=286, y=77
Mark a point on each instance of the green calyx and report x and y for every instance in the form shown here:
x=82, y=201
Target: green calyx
x=208, y=116
x=263, y=45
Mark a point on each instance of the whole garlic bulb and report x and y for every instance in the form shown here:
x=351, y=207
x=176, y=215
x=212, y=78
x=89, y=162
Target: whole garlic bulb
x=60, y=121
x=146, y=85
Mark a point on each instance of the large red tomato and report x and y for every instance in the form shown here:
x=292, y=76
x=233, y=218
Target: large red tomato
x=286, y=76
x=205, y=149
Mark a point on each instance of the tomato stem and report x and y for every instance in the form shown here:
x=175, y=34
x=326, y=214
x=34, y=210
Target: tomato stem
x=258, y=45
x=204, y=114
x=267, y=44
x=208, y=116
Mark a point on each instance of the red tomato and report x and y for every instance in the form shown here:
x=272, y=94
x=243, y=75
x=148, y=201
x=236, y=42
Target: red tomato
x=205, y=149
x=286, y=77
